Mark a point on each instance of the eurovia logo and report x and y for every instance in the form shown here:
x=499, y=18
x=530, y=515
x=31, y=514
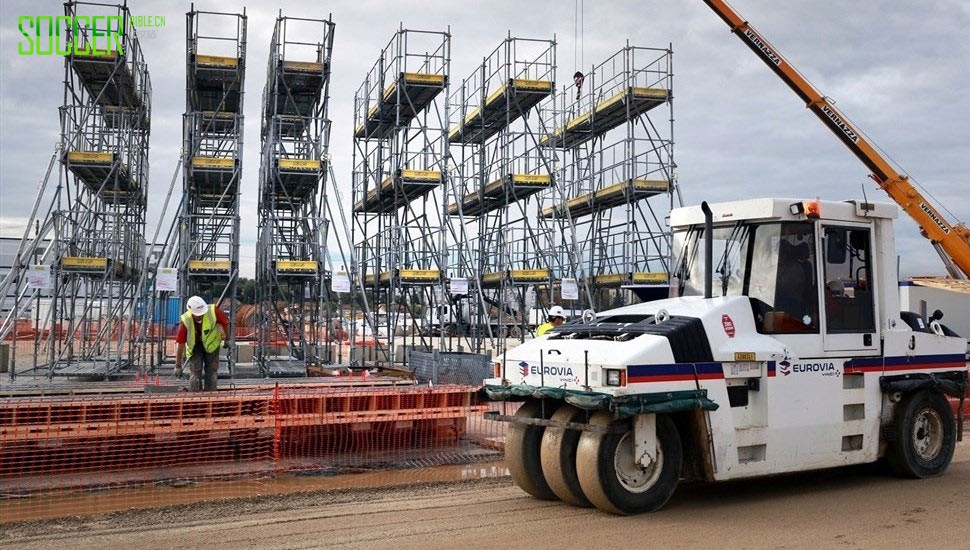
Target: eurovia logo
x=524, y=368
x=784, y=367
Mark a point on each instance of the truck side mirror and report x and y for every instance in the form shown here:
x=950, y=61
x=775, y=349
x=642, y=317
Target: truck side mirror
x=835, y=251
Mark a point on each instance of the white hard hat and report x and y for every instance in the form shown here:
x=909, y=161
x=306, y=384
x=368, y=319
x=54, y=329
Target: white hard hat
x=197, y=305
x=556, y=311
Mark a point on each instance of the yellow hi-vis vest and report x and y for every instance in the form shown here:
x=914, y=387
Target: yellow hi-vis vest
x=211, y=336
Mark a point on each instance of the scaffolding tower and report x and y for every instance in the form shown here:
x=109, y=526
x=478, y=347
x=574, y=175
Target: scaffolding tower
x=212, y=130
x=88, y=251
x=500, y=243
x=615, y=137
x=400, y=147
x=291, y=250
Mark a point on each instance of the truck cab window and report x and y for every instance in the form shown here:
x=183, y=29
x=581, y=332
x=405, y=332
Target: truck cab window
x=783, y=285
x=848, y=280
x=730, y=251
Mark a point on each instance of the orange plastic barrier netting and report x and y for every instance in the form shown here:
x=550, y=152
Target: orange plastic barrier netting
x=55, y=450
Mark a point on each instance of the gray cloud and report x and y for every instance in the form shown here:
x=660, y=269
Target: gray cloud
x=895, y=69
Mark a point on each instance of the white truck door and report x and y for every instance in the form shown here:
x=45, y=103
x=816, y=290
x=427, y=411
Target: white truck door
x=849, y=304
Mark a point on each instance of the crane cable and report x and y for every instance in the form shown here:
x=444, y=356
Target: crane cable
x=578, y=34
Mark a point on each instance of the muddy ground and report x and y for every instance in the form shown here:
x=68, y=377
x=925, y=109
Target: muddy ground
x=848, y=508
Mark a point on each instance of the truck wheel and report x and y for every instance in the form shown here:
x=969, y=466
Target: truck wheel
x=558, y=456
x=522, y=451
x=612, y=479
x=924, y=436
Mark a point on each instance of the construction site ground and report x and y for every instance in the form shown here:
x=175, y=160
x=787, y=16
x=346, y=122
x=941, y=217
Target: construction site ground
x=851, y=508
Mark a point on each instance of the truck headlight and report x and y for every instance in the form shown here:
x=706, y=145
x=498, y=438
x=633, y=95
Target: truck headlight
x=615, y=377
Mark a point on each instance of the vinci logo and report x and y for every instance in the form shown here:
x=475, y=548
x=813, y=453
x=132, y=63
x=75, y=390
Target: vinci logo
x=784, y=367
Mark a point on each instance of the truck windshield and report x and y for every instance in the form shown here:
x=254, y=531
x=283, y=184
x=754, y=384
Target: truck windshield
x=730, y=245
x=771, y=263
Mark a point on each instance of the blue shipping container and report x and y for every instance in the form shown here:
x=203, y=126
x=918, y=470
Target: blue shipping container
x=167, y=311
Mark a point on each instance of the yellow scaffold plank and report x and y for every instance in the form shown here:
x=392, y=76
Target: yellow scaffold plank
x=427, y=176
x=300, y=165
x=493, y=278
x=220, y=163
x=419, y=275
x=89, y=157
x=528, y=275
x=303, y=66
x=296, y=266
x=383, y=277
x=529, y=180
x=209, y=266
x=103, y=56
x=412, y=79
x=217, y=61
x=650, y=277
x=610, y=279
x=425, y=79
x=84, y=263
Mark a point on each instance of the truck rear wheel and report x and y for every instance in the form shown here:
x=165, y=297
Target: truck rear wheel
x=924, y=436
x=609, y=473
x=522, y=451
x=558, y=457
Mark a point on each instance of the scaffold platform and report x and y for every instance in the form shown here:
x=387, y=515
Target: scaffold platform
x=303, y=81
x=107, y=78
x=215, y=268
x=608, y=197
x=216, y=82
x=297, y=181
x=606, y=115
x=297, y=268
x=494, y=279
x=400, y=103
x=500, y=193
x=406, y=184
x=100, y=172
x=404, y=276
x=212, y=175
x=500, y=108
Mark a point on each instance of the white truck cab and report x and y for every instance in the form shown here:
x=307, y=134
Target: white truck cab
x=781, y=348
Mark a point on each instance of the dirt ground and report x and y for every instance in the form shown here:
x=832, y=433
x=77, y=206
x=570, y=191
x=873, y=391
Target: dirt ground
x=849, y=508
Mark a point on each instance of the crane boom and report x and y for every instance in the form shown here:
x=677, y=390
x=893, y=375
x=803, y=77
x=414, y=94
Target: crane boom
x=953, y=240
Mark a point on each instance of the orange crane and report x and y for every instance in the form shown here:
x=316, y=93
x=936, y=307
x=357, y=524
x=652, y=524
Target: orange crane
x=952, y=242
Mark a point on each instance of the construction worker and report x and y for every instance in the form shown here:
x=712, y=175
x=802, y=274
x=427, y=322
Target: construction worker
x=578, y=79
x=201, y=331
x=556, y=317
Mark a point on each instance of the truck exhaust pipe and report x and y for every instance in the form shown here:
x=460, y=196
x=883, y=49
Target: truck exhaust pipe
x=708, y=250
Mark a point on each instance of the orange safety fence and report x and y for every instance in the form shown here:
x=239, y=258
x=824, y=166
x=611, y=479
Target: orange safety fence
x=56, y=450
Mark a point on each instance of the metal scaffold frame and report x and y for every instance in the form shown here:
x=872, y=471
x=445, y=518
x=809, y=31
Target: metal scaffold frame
x=399, y=176
x=615, y=136
x=90, y=243
x=291, y=252
x=499, y=242
x=208, y=258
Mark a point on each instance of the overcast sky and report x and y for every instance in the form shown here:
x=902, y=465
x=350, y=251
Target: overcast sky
x=900, y=70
